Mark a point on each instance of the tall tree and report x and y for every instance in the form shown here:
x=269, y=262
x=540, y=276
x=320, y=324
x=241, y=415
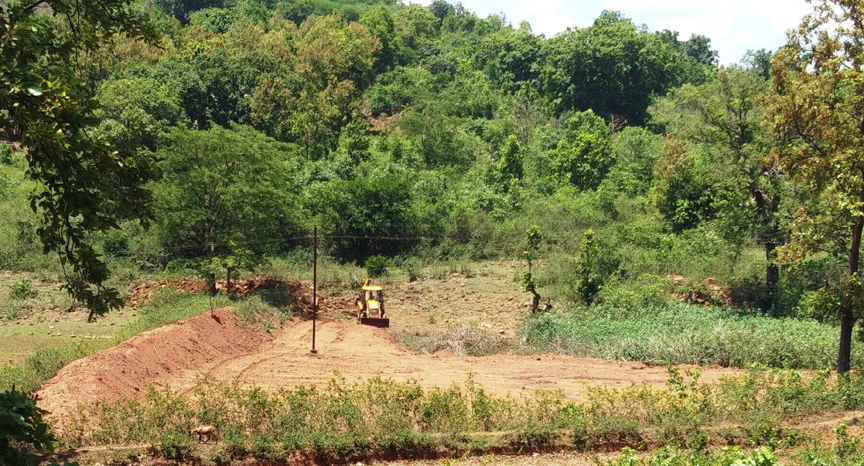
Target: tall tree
x=611, y=67
x=681, y=190
x=415, y=24
x=86, y=185
x=509, y=166
x=328, y=48
x=380, y=23
x=510, y=58
x=725, y=116
x=366, y=216
x=223, y=200
x=816, y=110
x=136, y=112
x=582, y=156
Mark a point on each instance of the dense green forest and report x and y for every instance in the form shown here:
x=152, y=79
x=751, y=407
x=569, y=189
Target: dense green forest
x=426, y=133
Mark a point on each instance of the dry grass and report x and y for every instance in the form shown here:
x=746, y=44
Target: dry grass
x=463, y=340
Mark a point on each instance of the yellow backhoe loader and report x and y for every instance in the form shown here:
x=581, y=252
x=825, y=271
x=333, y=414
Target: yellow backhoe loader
x=370, y=305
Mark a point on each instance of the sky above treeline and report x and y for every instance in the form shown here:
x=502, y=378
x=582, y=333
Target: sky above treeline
x=734, y=26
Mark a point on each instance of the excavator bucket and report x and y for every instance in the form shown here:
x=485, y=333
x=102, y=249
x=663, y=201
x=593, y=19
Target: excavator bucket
x=375, y=322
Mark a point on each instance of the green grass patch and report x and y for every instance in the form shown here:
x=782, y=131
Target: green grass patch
x=687, y=334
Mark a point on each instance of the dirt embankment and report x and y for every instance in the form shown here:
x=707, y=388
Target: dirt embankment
x=166, y=356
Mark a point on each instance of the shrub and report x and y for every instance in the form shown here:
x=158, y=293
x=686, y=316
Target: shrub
x=588, y=283
x=5, y=154
x=22, y=428
x=12, y=312
x=376, y=266
x=116, y=243
x=21, y=289
x=413, y=267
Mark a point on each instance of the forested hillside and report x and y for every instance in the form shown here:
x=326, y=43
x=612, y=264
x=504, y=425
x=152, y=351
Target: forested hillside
x=427, y=133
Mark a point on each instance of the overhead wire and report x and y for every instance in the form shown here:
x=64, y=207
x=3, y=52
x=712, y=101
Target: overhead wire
x=272, y=240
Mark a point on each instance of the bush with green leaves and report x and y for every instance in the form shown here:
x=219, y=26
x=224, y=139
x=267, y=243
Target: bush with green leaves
x=5, y=154
x=22, y=429
x=588, y=283
x=413, y=266
x=21, y=289
x=376, y=266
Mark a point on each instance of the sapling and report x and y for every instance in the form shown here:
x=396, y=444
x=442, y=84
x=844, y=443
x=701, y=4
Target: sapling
x=532, y=243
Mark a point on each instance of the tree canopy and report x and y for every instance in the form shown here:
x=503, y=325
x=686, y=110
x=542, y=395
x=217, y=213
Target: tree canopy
x=816, y=110
x=86, y=185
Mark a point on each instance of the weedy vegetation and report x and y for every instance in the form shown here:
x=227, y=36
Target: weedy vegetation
x=345, y=420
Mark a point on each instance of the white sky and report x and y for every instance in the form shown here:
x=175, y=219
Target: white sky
x=734, y=26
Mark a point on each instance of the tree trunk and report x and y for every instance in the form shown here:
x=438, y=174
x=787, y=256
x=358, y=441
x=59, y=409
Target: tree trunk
x=847, y=318
x=535, y=303
x=772, y=270
x=212, y=284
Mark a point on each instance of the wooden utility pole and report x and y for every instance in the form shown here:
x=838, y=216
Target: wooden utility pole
x=314, y=285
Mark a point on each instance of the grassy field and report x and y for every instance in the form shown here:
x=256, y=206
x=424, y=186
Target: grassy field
x=688, y=334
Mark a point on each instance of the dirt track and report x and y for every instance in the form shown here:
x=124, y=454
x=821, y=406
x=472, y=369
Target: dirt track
x=218, y=345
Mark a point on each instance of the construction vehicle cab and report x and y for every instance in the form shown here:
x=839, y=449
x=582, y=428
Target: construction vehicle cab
x=370, y=305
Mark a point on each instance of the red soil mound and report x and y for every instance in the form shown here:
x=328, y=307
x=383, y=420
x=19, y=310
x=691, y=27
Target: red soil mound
x=159, y=357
